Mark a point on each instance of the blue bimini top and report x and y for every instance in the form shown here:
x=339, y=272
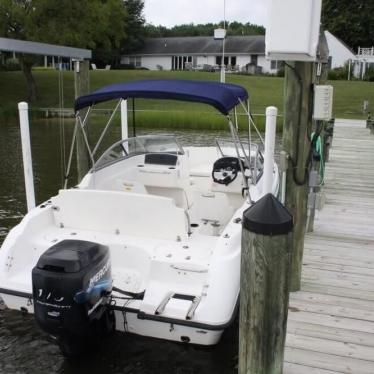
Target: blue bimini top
x=222, y=96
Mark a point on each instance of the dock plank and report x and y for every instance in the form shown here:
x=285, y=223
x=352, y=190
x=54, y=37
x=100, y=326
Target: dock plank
x=331, y=320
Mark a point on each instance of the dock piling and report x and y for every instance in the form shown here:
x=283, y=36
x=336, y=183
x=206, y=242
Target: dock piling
x=264, y=286
x=270, y=134
x=327, y=139
x=23, y=109
x=296, y=143
x=370, y=125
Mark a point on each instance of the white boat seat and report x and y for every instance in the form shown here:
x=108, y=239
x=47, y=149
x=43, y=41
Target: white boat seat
x=125, y=185
x=166, y=181
x=213, y=206
x=116, y=212
x=179, y=195
x=158, y=175
x=202, y=170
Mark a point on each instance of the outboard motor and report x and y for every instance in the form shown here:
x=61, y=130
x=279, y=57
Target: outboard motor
x=72, y=284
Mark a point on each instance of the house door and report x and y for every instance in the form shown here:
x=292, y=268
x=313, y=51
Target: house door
x=254, y=60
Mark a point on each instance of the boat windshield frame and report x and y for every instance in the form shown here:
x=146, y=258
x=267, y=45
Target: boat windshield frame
x=136, y=146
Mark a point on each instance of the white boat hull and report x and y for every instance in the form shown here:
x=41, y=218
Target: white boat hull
x=154, y=249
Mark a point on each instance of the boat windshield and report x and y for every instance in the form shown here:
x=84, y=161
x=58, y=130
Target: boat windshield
x=139, y=145
x=227, y=148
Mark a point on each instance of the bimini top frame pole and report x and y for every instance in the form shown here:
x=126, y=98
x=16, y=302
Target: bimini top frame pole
x=79, y=124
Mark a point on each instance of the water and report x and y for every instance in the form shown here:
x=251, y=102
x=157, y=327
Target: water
x=23, y=347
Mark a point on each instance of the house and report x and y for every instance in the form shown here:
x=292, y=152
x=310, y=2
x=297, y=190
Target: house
x=340, y=53
x=244, y=53
x=365, y=60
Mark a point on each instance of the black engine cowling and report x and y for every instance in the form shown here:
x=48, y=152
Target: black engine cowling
x=72, y=284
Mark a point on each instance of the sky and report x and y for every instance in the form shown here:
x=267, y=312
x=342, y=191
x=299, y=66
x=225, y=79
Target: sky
x=175, y=12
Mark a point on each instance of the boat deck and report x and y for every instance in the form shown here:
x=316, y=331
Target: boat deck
x=331, y=320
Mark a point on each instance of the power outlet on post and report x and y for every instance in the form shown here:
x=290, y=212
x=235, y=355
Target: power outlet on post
x=323, y=99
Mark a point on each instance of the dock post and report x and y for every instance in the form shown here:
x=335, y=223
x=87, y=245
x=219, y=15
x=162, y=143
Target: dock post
x=370, y=125
x=23, y=109
x=264, y=286
x=296, y=143
x=270, y=134
x=81, y=85
x=327, y=139
x=124, y=120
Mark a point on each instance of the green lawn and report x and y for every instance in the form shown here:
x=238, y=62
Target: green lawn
x=264, y=91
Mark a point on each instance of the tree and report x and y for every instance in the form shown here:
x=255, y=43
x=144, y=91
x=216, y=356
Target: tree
x=350, y=20
x=233, y=28
x=134, y=26
x=84, y=24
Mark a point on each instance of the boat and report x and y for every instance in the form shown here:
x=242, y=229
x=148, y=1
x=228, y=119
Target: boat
x=148, y=242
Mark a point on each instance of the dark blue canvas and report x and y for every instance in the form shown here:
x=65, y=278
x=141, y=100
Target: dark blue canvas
x=222, y=96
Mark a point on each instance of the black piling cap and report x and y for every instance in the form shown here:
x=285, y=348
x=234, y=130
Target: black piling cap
x=268, y=217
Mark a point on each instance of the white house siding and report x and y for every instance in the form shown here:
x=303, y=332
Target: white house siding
x=266, y=65
x=206, y=60
x=201, y=60
x=243, y=60
x=339, y=53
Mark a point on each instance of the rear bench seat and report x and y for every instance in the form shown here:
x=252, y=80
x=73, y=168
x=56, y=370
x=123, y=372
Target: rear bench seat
x=127, y=213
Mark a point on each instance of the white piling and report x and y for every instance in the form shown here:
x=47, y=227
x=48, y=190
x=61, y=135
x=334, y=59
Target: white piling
x=124, y=124
x=271, y=124
x=23, y=109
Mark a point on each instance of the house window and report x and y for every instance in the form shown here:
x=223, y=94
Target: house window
x=274, y=64
x=233, y=61
x=136, y=61
x=219, y=60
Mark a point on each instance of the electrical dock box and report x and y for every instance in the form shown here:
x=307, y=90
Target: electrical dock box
x=323, y=99
x=293, y=27
x=219, y=34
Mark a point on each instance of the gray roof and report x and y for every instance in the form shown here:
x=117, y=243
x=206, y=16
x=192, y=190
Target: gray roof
x=203, y=45
x=22, y=46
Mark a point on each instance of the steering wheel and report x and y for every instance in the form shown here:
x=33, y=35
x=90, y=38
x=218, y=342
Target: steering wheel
x=225, y=170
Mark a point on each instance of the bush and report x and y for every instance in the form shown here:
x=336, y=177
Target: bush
x=43, y=68
x=281, y=72
x=338, y=74
x=11, y=64
x=125, y=67
x=369, y=75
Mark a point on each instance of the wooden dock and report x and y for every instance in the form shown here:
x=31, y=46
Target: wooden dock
x=331, y=320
